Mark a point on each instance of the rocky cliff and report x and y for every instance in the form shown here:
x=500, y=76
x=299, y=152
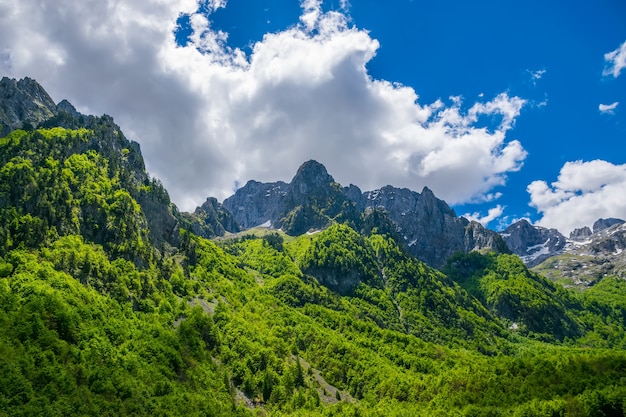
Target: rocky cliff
x=312, y=200
x=209, y=220
x=24, y=104
x=584, y=262
x=428, y=227
x=533, y=244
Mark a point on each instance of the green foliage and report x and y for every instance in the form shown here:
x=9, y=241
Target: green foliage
x=340, y=258
x=530, y=302
x=59, y=181
x=96, y=320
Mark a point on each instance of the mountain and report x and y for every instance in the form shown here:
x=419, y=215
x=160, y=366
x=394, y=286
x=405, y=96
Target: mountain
x=72, y=173
x=430, y=228
x=113, y=303
x=210, y=220
x=587, y=260
x=313, y=200
x=533, y=244
x=580, y=260
x=23, y=104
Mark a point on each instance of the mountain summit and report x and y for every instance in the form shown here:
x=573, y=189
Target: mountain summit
x=23, y=104
x=428, y=227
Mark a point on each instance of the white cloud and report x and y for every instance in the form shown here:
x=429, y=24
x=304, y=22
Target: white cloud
x=608, y=108
x=615, y=61
x=536, y=75
x=209, y=116
x=492, y=214
x=583, y=193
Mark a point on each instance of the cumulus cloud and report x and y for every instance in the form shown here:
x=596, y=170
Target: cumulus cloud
x=615, y=61
x=209, y=116
x=492, y=214
x=608, y=108
x=583, y=193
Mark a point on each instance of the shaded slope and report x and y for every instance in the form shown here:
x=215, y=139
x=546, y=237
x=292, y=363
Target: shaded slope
x=528, y=301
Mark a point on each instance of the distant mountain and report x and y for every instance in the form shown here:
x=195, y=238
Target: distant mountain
x=586, y=261
x=582, y=259
x=312, y=200
x=533, y=244
x=428, y=227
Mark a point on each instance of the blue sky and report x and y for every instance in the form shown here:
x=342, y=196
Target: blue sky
x=504, y=109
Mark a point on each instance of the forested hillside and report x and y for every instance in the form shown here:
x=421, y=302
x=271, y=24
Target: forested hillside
x=108, y=307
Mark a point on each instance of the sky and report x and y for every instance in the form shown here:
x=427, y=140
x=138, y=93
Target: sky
x=505, y=109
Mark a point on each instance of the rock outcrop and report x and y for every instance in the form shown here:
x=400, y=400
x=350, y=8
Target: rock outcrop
x=312, y=200
x=580, y=233
x=582, y=260
x=429, y=227
x=211, y=219
x=583, y=263
x=257, y=203
x=24, y=104
x=602, y=224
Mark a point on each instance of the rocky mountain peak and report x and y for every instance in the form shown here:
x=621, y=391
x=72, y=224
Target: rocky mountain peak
x=67, y=107
x=580, y=234
x=311, y=178
x=429, y=228
x=533, y=244
x=602, y=224
x=23, y=104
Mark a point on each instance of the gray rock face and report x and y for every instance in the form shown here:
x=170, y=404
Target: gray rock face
x=606, y=241
x=581, y=261
x=429, y=227
x=67, y=107
x=211, y=219
x=23, y=104
x=602, y=224
x=533, y=244
x=312, y=200
x=580, y=234
x=257, y=203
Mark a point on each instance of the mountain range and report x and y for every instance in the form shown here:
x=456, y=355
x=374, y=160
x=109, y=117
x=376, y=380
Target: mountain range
x=426, y=226
x=580, y=260
x=299, y=298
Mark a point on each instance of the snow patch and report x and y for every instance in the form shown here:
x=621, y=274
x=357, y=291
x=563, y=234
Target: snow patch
x=267, y=224
x=536, y=251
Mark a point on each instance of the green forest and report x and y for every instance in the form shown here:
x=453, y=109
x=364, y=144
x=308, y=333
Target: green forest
x=107, y=310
